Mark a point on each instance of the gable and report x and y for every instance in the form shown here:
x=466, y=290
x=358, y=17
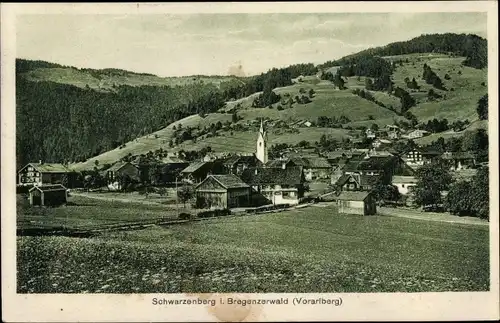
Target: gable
x=210, y=183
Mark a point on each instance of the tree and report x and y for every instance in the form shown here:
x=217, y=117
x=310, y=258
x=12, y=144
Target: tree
x=432, y=179
x=374, y=127
x=482, y=107
x=470, y=197
x=234, y=117
x=311, y=93
x=384, y=192
x=185, y=194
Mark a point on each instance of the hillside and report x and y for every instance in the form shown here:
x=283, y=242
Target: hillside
x=105, y=80
x=104, y=115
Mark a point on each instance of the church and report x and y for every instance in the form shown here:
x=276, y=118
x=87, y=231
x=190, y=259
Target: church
x=261, y=152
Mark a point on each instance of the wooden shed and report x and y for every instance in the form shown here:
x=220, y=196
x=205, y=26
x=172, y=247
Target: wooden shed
x=48, y=195
x=362, y=203
x=222, y=191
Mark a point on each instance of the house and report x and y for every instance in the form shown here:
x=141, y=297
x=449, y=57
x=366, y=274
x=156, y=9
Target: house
x=383, y=166
x=357, y=182
x=405, y=184
x=237, y=164
x=417, y=134
x=334, y=157
x=393, y=132
x=198, y=171
x=113, y=174
x=275, y=185
x=222, y=191
x=381, y=143
x=307, y=124
x=171, y=166
x=316, y=168
x=370, y=134
x=48, y=195
x=430, y=156
x=459, y=160
x=362, y=203
x=46, y=173
x=413, y=158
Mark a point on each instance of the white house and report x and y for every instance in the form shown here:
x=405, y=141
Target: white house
x=417, y=134
x=405, y=184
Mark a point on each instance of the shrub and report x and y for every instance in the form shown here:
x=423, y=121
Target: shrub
x=184, y=216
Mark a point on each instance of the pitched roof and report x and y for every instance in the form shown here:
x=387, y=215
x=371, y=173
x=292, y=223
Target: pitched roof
x=352, y=196
x=404, y=179
x=229, y=181
x=173, y=160
x=342, y=180
x=50, y=168
x=49, y=188
x=116, y=167
x=236, y=159
x=194, y=167
x=260, y=176
x=458, y=155
x=318, y=162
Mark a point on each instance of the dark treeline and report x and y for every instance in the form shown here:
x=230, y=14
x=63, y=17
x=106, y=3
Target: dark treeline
x=472, y=47
x=431, y=77
x=63, y=123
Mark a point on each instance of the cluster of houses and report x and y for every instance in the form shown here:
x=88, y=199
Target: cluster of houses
x=240, y=181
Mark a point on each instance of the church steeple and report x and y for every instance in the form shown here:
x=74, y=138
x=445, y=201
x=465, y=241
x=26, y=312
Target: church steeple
x=261, y=152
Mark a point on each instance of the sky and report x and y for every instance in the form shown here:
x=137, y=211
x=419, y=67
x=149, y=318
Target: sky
x=221, y=44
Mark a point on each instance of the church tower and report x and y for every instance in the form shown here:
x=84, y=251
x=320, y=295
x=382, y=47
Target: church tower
x=261, y=153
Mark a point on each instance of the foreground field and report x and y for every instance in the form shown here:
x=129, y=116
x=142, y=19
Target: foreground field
x=308, y=250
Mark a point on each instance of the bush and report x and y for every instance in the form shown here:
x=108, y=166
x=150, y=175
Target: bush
x=214, y=213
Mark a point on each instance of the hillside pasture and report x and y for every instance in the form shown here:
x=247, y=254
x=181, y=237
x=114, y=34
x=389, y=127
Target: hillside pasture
x=105, y=81
x=308, y=250
x=459, y=104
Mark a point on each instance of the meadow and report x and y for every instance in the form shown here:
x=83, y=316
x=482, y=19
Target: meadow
x=308, y=250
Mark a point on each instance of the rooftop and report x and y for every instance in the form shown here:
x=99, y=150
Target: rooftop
x=404, y=179
x=49, y=188
x=279, y=176
x=194, y=167
x=50, y=168
x=352, y=196
x=229, y=181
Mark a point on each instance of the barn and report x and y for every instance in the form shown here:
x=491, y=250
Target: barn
x=222, y=191
x=48, y=195
x=362, y=203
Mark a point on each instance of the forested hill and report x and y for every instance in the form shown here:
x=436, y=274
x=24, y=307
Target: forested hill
x=472, y=47
x=64, y=114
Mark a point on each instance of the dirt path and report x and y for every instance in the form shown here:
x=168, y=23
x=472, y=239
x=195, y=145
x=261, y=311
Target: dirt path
x=116, y=199
x=430, y=216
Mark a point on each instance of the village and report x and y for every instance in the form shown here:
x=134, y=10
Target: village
x=357, y=180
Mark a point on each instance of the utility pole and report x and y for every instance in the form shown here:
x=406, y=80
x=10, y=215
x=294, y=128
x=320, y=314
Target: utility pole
x=177, y=195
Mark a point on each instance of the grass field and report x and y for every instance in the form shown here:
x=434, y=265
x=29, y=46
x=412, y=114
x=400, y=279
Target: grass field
x=83, y=212
x=308, y=250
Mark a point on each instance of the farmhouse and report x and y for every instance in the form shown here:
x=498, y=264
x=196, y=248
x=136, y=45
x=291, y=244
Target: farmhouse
x=357, y=182
x=237, y=164
x=370, y=134
x=126, y=169
x=45, y=173
x=275, y=185
x=222, y=191
x=362, y=203
x=413, y=158
x=316, y=168
x=48, y=195
x=405, y=184
x=198, y=171
x=459, y=160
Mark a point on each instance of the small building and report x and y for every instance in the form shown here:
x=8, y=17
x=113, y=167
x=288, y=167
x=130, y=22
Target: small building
x=413, y=158
x=275, y=185
x=48, y=195
x=370, y=134
x=222, y=191
x=381, y=143
x=362, y=203
x=46, y=173
x=357, y=182
x=405, y=184
x=417, y=134
x=113, y=174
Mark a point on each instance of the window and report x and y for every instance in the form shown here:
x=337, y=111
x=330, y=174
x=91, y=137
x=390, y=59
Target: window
x=403, y=185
